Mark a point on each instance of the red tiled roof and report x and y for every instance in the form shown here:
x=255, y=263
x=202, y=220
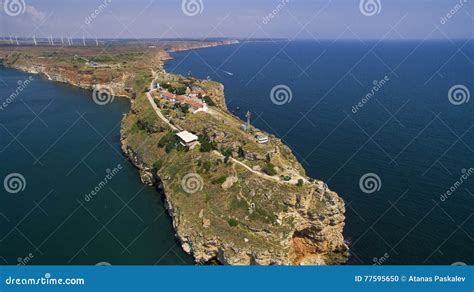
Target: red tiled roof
x=182, y=99
x=168, y=94
x=191, y=102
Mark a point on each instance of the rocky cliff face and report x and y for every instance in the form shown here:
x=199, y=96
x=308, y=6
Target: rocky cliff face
x=314, y=236
x=72, y=77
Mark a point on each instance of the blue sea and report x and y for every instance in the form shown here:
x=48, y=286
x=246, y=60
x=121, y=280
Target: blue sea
x=388, y=125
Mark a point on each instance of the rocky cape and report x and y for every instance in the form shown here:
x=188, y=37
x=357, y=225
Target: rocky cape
x=296, y=225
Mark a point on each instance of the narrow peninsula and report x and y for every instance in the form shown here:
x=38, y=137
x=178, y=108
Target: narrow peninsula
x=236, y=194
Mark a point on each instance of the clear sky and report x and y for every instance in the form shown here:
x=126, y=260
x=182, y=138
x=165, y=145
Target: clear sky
x=300, y=19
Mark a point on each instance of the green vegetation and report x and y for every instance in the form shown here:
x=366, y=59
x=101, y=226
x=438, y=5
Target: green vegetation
x=206, y=144
x=227, y=154
x=269, y=169
x=183, y=107
x=241, y=152
x=106, y=58
x=300, y=182
x=263, y=215
x=232, y=222
x=209, y=101
x=205, y=165
x=219, y=180
x=176, y=88
x=238, y=204
x=157, y=165
x=168, y=141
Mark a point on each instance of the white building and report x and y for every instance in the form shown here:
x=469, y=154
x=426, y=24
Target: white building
x=262, y=139
x=187, y=139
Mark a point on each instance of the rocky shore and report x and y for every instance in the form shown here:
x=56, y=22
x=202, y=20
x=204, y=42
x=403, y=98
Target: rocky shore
x=276, y=224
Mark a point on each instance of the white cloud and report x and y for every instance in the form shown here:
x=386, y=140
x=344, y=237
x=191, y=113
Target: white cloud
x=36, y=15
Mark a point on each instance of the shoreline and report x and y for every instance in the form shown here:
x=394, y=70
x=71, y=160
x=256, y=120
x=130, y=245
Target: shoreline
x=145, y=171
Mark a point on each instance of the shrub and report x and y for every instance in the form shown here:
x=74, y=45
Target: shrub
x=168, y=141
x=209, y=101
x=206, y=166
x=241, y=152
x=269, y=169
x=157, y=165
x=300, y=182
x=206, y=144
x=227, y=154
x=219, y=180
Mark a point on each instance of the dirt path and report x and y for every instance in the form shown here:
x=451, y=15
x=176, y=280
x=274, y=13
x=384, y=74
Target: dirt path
x=155, y=107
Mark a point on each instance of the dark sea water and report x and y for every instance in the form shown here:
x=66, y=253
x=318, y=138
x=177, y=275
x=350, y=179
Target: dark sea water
x=62, y=144
x=409, y=133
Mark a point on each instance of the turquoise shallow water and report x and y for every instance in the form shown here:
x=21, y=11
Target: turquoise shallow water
x=408, y=133
x=64, y=145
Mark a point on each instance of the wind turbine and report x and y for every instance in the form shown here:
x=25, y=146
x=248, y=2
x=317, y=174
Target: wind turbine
x=16, y=39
